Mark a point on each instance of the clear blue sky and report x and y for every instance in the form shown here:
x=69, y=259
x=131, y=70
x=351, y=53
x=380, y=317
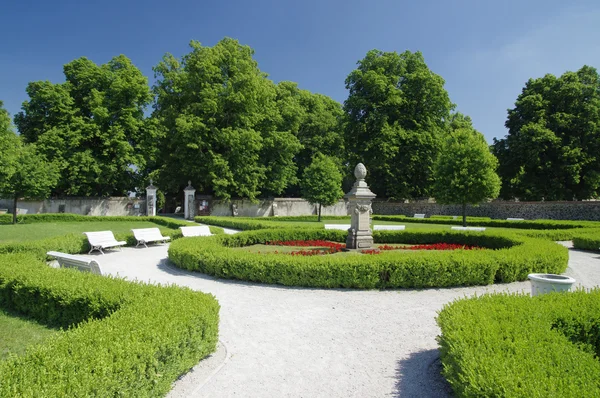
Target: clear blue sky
x=484, y=50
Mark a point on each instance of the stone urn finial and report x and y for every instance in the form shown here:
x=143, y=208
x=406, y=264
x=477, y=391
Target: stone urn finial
x=360, y=172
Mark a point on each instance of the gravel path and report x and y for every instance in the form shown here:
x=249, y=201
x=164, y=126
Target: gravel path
x=299, y=342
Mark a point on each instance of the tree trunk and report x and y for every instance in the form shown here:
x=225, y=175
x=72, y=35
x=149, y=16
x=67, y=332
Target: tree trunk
x=15, y=210
x=319, y=219
x=464, y=211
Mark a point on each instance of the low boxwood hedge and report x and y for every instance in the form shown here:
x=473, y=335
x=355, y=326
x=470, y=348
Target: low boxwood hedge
x=519, y=346
x=587, y=241
x=123, y=338
x=515, y=257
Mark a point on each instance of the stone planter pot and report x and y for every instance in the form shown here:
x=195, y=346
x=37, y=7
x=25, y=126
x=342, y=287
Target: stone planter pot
x=547, y=283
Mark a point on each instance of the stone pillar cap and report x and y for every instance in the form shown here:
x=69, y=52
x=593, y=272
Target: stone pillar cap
x=189, y=187
x=151, y=186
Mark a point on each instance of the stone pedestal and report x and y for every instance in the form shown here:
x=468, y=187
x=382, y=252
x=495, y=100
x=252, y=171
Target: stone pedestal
x=151, y=199
x=189, y=200
x=359, y=204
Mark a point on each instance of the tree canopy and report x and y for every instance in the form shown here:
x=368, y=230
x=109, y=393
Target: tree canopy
x=396, y=115
x=221, y=123
x=322, y=182
x=92, y=127
x=9, y=142
x=316, y=120
x=465, y=171
x=552, y=150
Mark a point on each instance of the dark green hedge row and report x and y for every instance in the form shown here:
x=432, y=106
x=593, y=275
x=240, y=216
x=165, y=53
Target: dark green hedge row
x=519, y=346
x=254, y=223
x=308, y=218
x=469, y=218
x=587, y=241
x=216, y=256
x=125, y=339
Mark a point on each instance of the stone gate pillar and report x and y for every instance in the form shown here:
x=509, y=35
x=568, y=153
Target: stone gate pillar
x=189, y=202
x=151, y=199
x=359, y=204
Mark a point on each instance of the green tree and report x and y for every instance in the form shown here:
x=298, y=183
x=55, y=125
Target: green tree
x=552, y=150
x=92, y=126
x=396, y=116
x=322, y=182
x=33, y=177
x=465, y=171
x=9, y=143
x=220, y=119
x=315, y=120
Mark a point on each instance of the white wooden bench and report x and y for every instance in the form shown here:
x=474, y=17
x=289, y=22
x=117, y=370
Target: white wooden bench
x=343, y=227
x=200, y=230
x=468, y=228
x=419, y=215
x=389, y=227
x=147, y=235
x=102, y=240
x=515, y=219
x=73, y=261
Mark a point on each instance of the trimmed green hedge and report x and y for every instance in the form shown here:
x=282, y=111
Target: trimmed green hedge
x=587, y=241
x=255, y=223
x=124, y=339
x=454, y=218
x=526, y=224
x=516, y=257
x=520, y=346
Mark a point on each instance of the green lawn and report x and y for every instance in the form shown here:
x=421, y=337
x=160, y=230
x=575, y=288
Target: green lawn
x=19, y=332
x=28, y=232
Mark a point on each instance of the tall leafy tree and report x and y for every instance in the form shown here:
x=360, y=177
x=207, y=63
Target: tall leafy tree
x=92, y=127
x=9, y=143
x=322, y=182
x=315, y=120
x=33, y=177
x=221, y=124
x=552, y=150
x=396, y=115
x=465, y=171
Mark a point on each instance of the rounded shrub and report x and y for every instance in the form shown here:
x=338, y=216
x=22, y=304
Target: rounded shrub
x=513, y=259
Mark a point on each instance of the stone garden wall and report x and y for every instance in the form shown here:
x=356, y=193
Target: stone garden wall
x=84, y=206
x=588, y=210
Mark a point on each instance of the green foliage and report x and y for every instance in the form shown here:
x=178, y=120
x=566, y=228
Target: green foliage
x=396, y=115
x=221, y=124
x=521, y=346
x=9, y=144
x=525, y=224
x=322, y=182
x=551, y=150
x=92, y=126
x=32, y=178
x=315, y=120
x=587, y=240
x=513, y=260
x=465, y=171
x=124, y=339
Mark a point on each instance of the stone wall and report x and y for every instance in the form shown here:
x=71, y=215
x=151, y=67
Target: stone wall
x=273, y=207
x=83, y=206
x=588, y=210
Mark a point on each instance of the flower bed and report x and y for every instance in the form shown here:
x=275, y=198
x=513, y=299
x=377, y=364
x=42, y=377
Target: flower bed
x=514, y=258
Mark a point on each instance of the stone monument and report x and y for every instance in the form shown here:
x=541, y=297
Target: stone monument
x=189, y=192
x=359, y=204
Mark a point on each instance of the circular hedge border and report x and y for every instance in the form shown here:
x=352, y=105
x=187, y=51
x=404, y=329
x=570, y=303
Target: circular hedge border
x=515, y=257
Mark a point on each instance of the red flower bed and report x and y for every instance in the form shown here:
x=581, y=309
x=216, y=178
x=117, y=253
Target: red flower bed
x=432, y=246
x=335, y=247
x=332, y=247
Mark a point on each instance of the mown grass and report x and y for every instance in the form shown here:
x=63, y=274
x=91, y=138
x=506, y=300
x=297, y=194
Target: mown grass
x=37, y=231
x=18, y=333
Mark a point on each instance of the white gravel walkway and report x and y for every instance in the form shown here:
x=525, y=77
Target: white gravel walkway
x=298, y=342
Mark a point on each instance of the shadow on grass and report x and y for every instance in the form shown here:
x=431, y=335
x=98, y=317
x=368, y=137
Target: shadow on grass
x=420, y=375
